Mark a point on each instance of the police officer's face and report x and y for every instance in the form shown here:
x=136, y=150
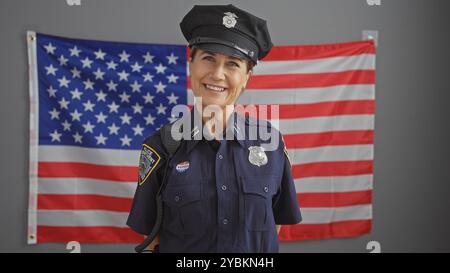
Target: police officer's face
x=217, y=78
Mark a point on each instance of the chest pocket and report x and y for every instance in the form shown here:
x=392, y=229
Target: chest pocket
x=257, y=196
x=183, y=210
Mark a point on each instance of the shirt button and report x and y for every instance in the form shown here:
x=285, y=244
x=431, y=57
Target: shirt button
x=220, y=156
x=224, y=188
x=177, y=198
x=225, y=221
x=266, y=189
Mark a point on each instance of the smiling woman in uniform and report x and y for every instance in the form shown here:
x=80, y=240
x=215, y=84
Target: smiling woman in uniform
x=219, y=195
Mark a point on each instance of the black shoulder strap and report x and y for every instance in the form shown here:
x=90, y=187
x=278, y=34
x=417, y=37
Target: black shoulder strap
x=171, y=146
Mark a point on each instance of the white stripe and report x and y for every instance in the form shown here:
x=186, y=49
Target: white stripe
x=327, y=215
x=50, y=153
x=331, y=153
x=334, y=183
x=33, y=141
x=86, y=186
x=303, y=95
x=324, y=65
x=324, y=124
x=308, y=95
x=82, y=218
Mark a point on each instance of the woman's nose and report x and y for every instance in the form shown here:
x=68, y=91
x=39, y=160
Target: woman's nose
x=218, y=72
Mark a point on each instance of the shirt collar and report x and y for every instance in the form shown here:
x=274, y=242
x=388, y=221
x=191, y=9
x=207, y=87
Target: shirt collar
x=236, y=123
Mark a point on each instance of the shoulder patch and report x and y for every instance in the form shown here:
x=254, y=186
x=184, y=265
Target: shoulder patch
x=285, y=150
x=148, y=161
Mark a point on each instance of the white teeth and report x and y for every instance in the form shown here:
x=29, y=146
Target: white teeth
x=215, y=88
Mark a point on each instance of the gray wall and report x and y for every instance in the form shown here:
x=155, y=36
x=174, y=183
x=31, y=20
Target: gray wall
x=411, y=181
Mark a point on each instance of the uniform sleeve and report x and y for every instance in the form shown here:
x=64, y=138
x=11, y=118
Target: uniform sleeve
x=286, y=209
x=143, y=211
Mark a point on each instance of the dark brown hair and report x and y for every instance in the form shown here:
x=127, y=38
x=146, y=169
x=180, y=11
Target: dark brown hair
x=193, y=52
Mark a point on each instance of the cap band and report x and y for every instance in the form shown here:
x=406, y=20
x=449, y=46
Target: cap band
x=208, y=40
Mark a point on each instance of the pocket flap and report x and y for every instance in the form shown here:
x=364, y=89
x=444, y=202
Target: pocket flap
x=180, y=196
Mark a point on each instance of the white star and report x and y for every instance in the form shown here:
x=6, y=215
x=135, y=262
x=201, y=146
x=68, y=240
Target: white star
x=123, y=75
x=77, y=137
x=62, y=60
x=50, y=48
x=136, y=87
x=125, y=140
x=161, y=109
x=76, y=94
x=56, y=136
x=148, y=77
x=172, y=58
x=172, y=78
x=113, y=129
x=111, y=85
x=125, y=118
x=51, y=91
x=160, y=68
x=54, y=114
x=86, y=62
x=88, y=127
x=98, y=74
x=101, y=139
x=149, y=119
x=74, y=51
x=51, y=69
x=138, y=130
x=99, y=54
x=88, y=106
x=124, y=97
x=124, y=56
x=63, y=104
x=148, y=58
x=136, y=67
x=76, y=115
x=137, y=108
x=76, y=73
x=113, y=107
x=64, y=82
x=66, y=125
x=148, y=98
x=172, y=99
x=101, y=118
x=88, y=84
x=112, y=65
x=160, y=87
x=101, y=96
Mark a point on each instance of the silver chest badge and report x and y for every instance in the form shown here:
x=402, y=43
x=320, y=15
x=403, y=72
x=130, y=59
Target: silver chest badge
x=229, y=20
x=257, y=156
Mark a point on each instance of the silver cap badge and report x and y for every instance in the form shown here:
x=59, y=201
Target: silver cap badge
x=257, y=156
x=229, y=20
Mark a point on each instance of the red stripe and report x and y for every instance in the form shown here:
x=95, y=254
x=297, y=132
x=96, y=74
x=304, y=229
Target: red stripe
x=83, y=201
x=329, y=108
x=86, y=170
x=308, y=52
x=311, y=80
x=281, y=81
x=48, y=234
x=335, y=168
x=334, y=199
x=323, y=231
x=308, y=140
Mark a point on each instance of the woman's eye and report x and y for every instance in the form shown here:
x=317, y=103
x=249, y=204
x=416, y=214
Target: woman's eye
x=233, y=64
x=208, y=58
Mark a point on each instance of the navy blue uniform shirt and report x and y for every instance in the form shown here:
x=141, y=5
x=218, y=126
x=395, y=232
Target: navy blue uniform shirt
x=215, y=199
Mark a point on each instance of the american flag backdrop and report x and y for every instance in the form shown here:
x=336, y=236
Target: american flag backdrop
x=92, y=103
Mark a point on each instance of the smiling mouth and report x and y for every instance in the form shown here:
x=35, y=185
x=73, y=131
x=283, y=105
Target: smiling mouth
x=214, y=88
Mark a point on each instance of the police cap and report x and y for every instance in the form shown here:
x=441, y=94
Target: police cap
x=227, y=29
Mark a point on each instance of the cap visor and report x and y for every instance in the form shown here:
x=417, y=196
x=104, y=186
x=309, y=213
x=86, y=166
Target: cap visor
x=223, y=49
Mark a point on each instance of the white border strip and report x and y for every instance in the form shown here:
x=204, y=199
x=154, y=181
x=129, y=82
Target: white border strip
x=34, y=135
